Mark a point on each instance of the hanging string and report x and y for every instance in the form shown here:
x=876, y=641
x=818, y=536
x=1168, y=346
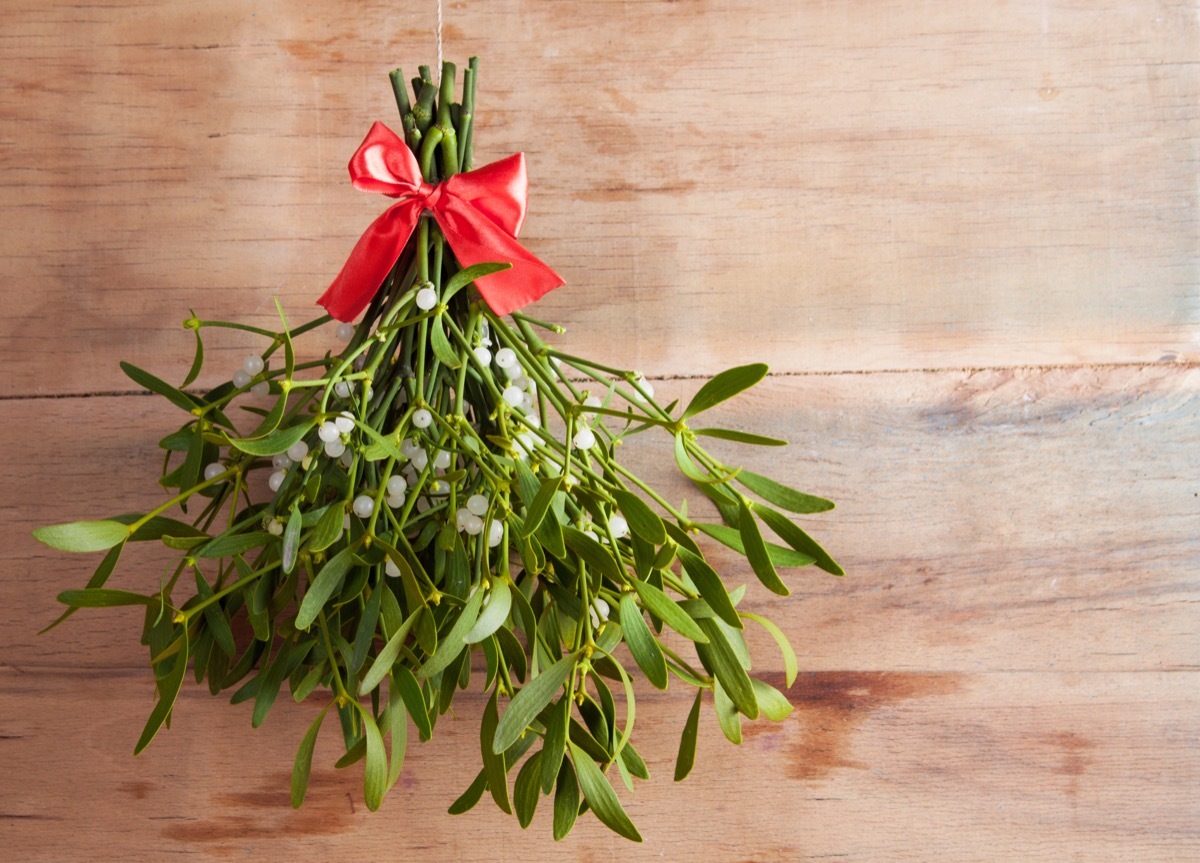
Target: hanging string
x=439, y=41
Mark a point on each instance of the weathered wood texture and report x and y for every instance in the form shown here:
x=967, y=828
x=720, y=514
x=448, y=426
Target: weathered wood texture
x=905, y=186
x=1009, y=670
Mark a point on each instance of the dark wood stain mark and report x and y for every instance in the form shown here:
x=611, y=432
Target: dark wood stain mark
x=266, y=812
x=1071, y=749
x=137, y=790
x=832, y=705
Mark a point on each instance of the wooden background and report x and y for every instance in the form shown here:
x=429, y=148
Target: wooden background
x=963, y=235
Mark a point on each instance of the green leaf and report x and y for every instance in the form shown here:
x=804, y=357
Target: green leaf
x=99, y=597
x=387, y=656
x=387, y=444
x=276, y=442
x=442, y=349
x=686, y=465
x=81, y=536
x=328, y=581
x=143, y=378
x=291, y=539
x=528, y=703
x=722, y=660
x=740, y=437
x=398, y=723
x=414, y=700
x=646, y=652
x=228, y=545
x=593, y=553
x=375, y=774
x=464, y=277
x=168, y=691
x=642, y=519
x=536, y=511
x=773, y=703
x=600, y=795
x=452, y=645
x=526, y=791
x=756, y=552
x=554, y=744
x=687, y=743
x=215, y=619
x=712, y=590
x=197, y=359
x=782, y=496
x=727, y=715
x=467, y=800
x=666, y=610
x=495, y=612
x=566, y=801
x=270, y=681
x=304, y=755
x=328, y=529
x=797, y=539
x=493, y=759
x=731, y=538
x=157, y=527
x=790, y=665
x=724, y=386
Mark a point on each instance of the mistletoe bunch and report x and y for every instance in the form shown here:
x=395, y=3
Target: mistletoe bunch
x=444, y=503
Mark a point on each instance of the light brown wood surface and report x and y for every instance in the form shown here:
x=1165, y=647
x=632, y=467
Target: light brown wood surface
x=965, y=238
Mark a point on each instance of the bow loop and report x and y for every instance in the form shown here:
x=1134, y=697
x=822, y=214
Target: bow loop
x=480, y=213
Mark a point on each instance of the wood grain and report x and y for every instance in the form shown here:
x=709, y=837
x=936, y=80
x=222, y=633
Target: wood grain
x=993, y=184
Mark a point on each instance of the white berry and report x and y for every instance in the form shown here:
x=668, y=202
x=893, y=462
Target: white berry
x=506, y=358
x=473, y=525
x=342, y=389
x=483, y=355
x=344, y=332
x=584, y=439
x=281, y=461
x=396, y=485
x=619, y=526
x=395, y=501
x=297, y=451
x=513, y=396
x=426, y=299
x=276, y=480
x=477, y=504
x=214, y=470
x=391, y=569
x=441, y=459
x=334, y=448
x=495, y=533
x=328, y=432
x=363, y=505
x=420, y=458
x=241, y=378
x=422, y=418
x=275, y=527
x=253, y=364
x=344, y=422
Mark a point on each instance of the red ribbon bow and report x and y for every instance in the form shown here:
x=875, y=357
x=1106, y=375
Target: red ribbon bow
x=479, y=212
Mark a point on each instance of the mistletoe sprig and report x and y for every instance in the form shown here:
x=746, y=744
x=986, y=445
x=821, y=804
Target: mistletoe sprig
x=446, y=488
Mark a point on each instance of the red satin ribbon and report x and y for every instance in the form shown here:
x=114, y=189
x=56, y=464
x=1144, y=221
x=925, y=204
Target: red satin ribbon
x=480, y=213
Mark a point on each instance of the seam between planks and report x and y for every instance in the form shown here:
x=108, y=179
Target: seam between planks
x=831, y=373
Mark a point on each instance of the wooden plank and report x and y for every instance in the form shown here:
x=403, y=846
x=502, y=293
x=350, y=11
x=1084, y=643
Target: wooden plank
x=1006, y=520
x=987, y=185
x=987, y=766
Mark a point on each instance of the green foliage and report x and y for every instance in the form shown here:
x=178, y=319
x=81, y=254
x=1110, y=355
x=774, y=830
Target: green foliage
x=515, y=545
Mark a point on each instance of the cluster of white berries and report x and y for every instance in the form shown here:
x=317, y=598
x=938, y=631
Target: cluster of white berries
x=330, y=433
x=251, y=366
x=469, y=520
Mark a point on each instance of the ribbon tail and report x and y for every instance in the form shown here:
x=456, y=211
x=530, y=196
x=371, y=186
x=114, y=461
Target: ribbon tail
x=369, y=263
x=476, y=240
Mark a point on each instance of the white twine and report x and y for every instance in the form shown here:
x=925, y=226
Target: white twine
x=439, y=41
